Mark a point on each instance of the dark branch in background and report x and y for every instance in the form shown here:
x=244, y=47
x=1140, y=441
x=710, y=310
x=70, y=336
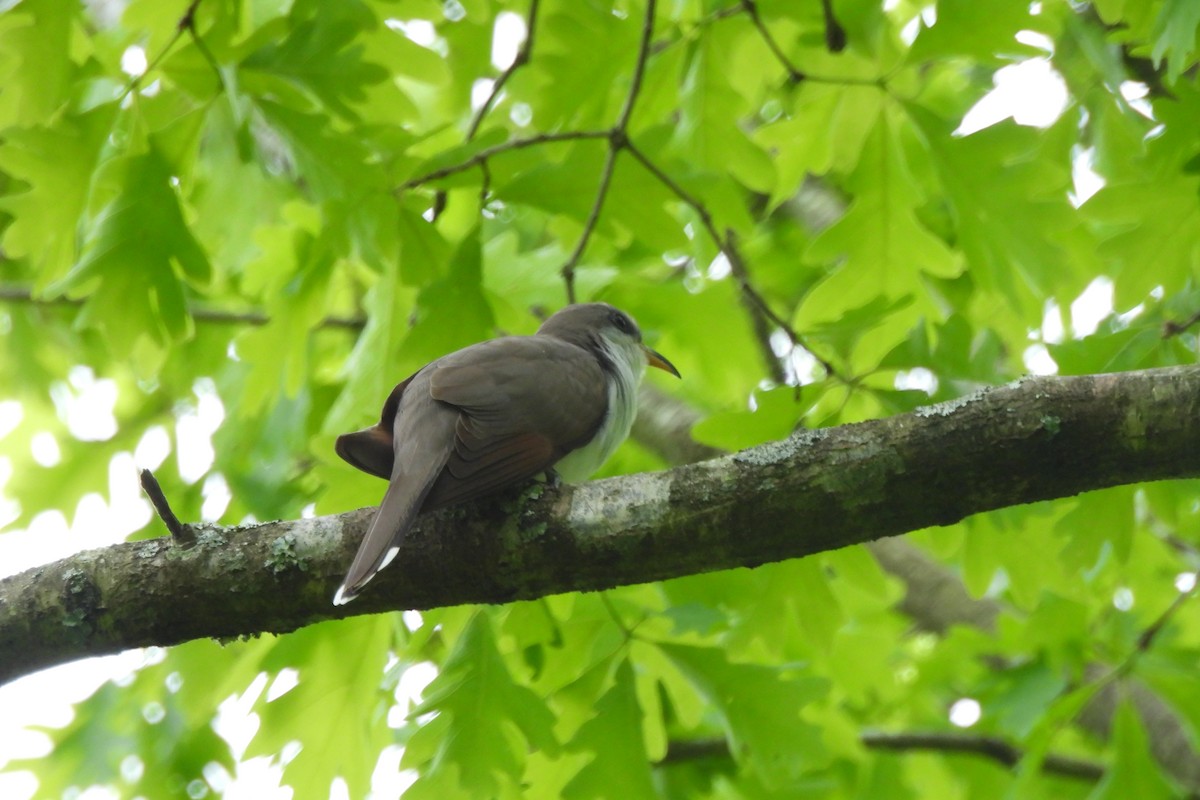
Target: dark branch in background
x=186, y=24
x=491, y=152
x=23, y=294
x=617, y=139
x=795, y=74
x=760, y=312
x=1173, y=328
x=991, y=747
x=521, y=59
x=835, y=34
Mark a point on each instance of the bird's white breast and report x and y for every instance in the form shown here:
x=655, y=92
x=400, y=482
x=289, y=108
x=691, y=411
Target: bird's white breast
x=630, y=363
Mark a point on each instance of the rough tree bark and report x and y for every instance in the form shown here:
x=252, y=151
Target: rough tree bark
x=1037, y=439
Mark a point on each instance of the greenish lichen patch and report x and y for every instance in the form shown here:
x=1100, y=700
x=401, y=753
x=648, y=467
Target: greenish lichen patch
x=284, y=555
x=1051, y=424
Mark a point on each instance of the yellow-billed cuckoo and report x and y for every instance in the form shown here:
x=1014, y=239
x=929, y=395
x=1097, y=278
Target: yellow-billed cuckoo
x=495, y=414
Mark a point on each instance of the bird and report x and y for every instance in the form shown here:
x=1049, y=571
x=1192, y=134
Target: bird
x=497, y=414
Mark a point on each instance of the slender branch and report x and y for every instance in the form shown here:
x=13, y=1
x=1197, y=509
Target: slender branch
x=992, y=747
x=760, y=311
x=1173, y=328
x=835, y=34
x=505, y=147
x=617, y=140
x=23, y=294
x=568, y=268
x=795, y=74
x=521, y=59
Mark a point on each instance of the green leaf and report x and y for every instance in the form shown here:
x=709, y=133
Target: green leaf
x=486, y=722
x=1134, y=772
x=1175, y=33
x=760, y=711
x=56, y=164
x=983, y=30
x=613, y=738
x=137, y=253
x=35, y=59
x=337, y=702
x=320, y=55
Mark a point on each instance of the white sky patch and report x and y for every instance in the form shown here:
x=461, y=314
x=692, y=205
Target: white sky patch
x=1084, y=177
x=11, y=414
x=521, y=114
x=216, y=497
x=1135, y=93
x=1038, y=360
x=1034, y=39
x=153, y=448
x=719, y=268
x=965, y=712
x=507, y=37
x=1185, y=582
x=86, y=405
x=481, y=89
x=194, y=430
x=45, y=449
x=133, y=60
x=1123, y=599
x=1092, y=307
x=1030, y=91
x=1052, y=330
x=918, y=378
x=418, y=31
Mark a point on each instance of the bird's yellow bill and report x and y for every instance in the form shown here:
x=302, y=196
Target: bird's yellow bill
x=655, y=359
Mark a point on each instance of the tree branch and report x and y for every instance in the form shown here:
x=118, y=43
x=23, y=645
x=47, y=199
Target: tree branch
x=992, y=747
x=521, y=59
x=23, y=294
x=617, y=140
x=1037, y=439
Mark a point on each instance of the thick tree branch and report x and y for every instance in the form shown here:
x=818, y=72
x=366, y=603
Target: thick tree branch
x=1037, y=439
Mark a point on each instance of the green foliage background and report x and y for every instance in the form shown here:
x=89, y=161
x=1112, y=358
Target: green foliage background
x=233, y=212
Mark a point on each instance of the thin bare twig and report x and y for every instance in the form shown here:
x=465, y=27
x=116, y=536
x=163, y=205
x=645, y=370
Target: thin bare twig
x=760, y=312
x=1173, y=328
x=991, y=747
x=795, y=74
x=504, y=147
x=23, y=294
x=835, y=34
x=186, y=24
x=180, y=533
x=617, y=140
x=521, y=59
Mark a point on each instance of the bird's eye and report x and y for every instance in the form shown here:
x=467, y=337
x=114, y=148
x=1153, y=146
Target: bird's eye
x=622, y=323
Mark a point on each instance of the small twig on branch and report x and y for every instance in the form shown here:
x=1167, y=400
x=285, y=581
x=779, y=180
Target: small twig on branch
x=1173, y=328
x=835, y=34
x=180, y=533
x=617, y=140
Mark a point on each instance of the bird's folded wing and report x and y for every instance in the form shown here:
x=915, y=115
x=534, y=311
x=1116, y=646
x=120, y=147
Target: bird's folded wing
x=524, y=403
